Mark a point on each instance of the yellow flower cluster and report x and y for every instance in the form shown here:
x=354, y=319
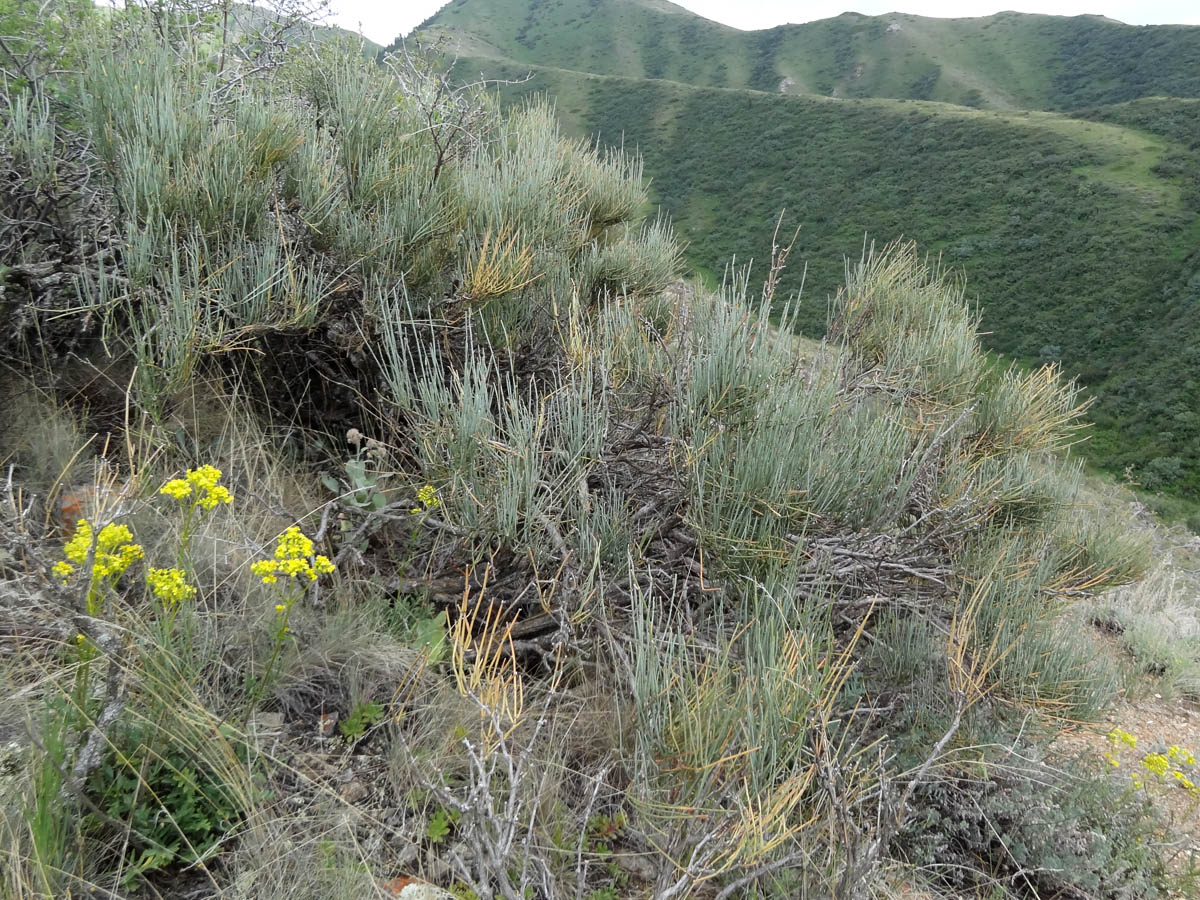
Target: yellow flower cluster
x=1181, y=755
x=1156, y=764
x=1120, y=736
x=293, y=558
x=112, y=551
x=201, y=485
x=170, y=586
x=428, y=498
x=1177, y=763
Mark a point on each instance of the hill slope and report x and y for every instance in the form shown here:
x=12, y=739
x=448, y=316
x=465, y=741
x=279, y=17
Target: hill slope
x=1001, y=61
x=1079, y=235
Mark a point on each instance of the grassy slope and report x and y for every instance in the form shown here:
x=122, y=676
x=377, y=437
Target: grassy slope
x=1077, y=237
x=1002, y=61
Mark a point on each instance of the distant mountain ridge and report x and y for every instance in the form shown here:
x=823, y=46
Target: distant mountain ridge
x=1008, y=60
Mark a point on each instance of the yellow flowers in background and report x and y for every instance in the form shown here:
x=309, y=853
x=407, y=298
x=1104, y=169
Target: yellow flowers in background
x=1175, y=752
x=201, y=486
x=169, y=586
x=1163, y=765
x=1120, y=736
x=199, y=492
x=293, y=558
x=112, y=551
x=428, y=498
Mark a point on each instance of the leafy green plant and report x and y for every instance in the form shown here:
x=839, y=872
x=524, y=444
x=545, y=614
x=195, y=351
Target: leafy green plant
x=429, y=634
x=441, y=824
x=361, y=717
x=365, y=491
x=176, y=810
x=46, y=816
x=604, y=830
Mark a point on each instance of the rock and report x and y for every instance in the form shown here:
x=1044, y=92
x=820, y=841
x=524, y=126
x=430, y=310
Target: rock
x=353, y=791
x=325, y=724
x=263, y=724
x=413, y=889
x=638, y=865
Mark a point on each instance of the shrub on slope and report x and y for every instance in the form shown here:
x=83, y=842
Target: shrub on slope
x=613, y=589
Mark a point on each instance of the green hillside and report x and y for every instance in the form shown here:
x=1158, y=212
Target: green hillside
x=247, y=19
x=1003, y=61
x=1079, y=235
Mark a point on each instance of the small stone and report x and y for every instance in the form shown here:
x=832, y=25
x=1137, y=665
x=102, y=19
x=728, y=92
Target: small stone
x=353, y=792
x=263, y=723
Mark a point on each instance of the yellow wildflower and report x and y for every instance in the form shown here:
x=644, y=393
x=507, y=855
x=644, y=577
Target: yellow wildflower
x=63, y=570
x=111, y=550
x=204, y=477
x=1181, y=755
x=177, y=488
x=293, y=558
x=76, y=549
x=1156, y=763
x=202, y=484
x=112, y=536
x=265, y=569
x=292, y=567
x=428, y=498
x=280, y=608
x=1120, y=736
x=293, y=544
x=170, y=586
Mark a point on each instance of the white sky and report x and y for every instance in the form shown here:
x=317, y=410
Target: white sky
x=383, y=20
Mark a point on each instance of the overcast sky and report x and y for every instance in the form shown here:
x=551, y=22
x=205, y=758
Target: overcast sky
x=384, y=20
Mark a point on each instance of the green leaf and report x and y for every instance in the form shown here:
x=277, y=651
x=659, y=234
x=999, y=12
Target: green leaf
x=438, y=828
x=430, y=635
